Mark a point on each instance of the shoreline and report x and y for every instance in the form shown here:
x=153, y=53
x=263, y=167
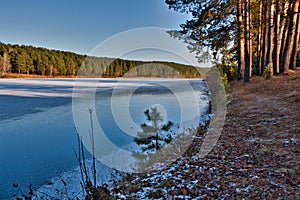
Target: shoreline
x=104, y=171
x=256, y=157
x=34, y=76
x=105, y=175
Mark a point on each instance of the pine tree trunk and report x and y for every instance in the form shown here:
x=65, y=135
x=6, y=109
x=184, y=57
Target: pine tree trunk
x=265, y=39
x=241, y=41
x=284, y=28
x=290, y=36
x=4, y=64
x=270, y=36
x=51, y=71
x=277, y=41
x=156, y=141
x=260, y=39
x=2, y=67
x=250, y=37
x=258, y=51
x=246, y=36
x=296, y=40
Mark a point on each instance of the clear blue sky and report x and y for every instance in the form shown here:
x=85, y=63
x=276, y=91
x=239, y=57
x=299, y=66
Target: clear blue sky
x=78, y=25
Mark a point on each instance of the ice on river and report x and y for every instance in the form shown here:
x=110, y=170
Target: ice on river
x=37, y=130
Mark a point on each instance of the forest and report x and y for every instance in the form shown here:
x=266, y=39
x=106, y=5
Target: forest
x=243, y=38
x=21, y=59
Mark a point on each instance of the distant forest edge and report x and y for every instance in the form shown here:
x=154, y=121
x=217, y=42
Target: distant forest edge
x=22, y=60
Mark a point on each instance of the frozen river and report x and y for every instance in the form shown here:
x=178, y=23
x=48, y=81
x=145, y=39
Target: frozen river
x=37, y=130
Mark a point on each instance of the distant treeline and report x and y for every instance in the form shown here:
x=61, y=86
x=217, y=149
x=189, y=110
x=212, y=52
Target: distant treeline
x=23, y=59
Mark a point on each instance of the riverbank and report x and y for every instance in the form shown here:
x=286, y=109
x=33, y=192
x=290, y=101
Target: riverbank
x=256, y=157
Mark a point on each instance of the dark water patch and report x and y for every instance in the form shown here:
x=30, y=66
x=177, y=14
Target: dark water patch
x=14, y=107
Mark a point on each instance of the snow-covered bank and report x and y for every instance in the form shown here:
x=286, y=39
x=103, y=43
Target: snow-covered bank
x=69, y=184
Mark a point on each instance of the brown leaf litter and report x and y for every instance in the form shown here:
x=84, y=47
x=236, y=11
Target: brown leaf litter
x=256, y=157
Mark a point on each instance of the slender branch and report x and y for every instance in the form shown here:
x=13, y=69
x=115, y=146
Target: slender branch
x=93, y=147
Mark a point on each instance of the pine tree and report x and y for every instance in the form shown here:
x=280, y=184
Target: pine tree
x=152, y=132
x=267, y=30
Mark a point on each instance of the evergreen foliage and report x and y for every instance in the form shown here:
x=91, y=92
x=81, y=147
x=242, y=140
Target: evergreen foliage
x=153, y=132
x=265, y=30
x=41, y=61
